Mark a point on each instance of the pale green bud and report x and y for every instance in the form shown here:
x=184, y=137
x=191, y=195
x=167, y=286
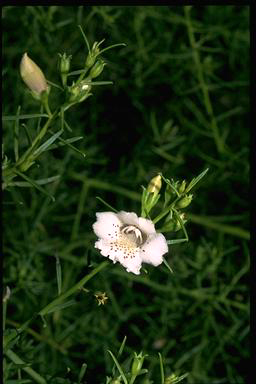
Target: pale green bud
x=32, y=76
x=172, y=224
x=97, y=68
x=185, y=201
x=182, y=187
x=64, y=64
x=137, y=363
x=90, y=60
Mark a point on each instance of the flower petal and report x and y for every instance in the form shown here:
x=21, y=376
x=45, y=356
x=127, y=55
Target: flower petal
x=153, y=250
x=107, y=225
x=146, y=226
x=132, y=263
x=129, y=218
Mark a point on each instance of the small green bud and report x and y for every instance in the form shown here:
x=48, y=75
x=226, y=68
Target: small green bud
x=64, y=64
x=137, y=363
x=155, y=185
x=185, y=201
x=171, y=379
x=33, y=76
x=97, y=68
x=172, y=224
x=90, y=60
x=182, y=187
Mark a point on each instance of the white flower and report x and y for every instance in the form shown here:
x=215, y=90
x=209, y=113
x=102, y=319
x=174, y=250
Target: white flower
x=32, y=75
x=129, y=239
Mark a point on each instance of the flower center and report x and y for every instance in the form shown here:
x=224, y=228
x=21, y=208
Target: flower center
x=134, y=234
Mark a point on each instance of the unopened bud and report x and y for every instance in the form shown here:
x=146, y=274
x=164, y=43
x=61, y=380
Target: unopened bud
x=172, y=224
x=182, y=186
x=171, y=379
x=155, y=185
x=90, y=60
x=185, y=201
x=137, y=363
x=97, y=68
x=64, y=63
x=32, y=75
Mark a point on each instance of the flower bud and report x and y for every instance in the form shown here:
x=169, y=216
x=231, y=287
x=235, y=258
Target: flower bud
x=137, y=363
x=172, y=224
x=97, y=68
x=64, y=64
x=115, y=381
x=182, y=187
x=155, y=185
x=90, y=60
x=171, y=379
x=32, y=76
x=185, y=201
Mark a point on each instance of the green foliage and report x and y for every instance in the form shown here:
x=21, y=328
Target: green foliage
x=176, y=102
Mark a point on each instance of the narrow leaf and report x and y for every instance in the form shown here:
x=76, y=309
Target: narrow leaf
x=196, y=180
x=62, y=306
x=68, y=143
x=16, y=135
x=118, y=367
x=122, y=347
x=85, y=39
x=110, y=47
x=40, y=182
x=104, y=202
x=59, y=276
x=22, y=117
x=167, y=265
x=161, y=367
x=55, y=85
x=47, y=143
x=82, y=372
x=32, y=182
x=27, y=134
x=176, y=241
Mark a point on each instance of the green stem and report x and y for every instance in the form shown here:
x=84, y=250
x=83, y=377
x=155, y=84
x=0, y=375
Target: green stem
x=47, y=108
x=208, y=222
x=133, y=378
x=17, y=360
x=73, y=289
x=80, y=78
x=166, y=210
x=38, y=138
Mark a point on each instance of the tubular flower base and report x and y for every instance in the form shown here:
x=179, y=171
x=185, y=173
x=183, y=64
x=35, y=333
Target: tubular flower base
x=129, y=239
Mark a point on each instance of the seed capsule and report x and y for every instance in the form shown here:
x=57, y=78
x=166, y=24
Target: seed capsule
x=185, y=201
